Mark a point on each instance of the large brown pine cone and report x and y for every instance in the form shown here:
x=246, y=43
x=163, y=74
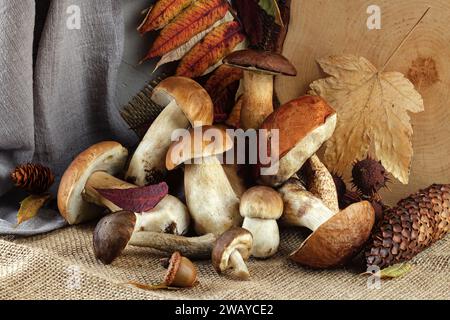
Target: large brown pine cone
x=34, y=178
x=413, y=225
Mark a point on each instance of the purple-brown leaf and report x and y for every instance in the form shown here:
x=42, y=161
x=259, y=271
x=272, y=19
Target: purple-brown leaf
x=138, y=200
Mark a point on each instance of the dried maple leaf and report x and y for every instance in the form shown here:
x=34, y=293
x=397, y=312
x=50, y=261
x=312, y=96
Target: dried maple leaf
x=162, y=13
x=217, y=44
x=138, y=200
x=30, y=207
x=372, y=114
x=198, y=17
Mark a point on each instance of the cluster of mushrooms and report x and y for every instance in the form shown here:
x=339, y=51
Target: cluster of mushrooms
x=232, y=220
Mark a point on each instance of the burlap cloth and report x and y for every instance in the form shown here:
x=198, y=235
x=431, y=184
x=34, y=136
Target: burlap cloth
x=61, y=265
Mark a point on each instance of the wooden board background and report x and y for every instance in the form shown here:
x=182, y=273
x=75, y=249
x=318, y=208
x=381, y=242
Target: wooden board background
x=325, y=27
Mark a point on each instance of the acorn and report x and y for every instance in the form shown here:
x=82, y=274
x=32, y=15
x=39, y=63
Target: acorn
x=369, y=176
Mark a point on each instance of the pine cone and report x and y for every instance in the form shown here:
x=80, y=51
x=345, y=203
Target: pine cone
x=33, y=178
x=412, y=226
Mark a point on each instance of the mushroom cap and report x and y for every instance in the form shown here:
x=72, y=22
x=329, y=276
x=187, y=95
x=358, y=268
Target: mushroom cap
x=190, y=97
x=234, y=239
x=297, y=119
x=261, y=61
x=112, y=234
x=199, y=142
x=339, y=239
x=261, y=202
x=108, y=156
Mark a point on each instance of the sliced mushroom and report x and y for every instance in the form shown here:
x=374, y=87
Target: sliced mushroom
x=79, y=201
x=210, y=196
x=303, y=126
x=115, y=232
x=231, y=251
x=336, y=237
x=261, y=207
x=260, y=68
x=187, y=103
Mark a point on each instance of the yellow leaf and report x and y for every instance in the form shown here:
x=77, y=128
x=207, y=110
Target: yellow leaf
x=395, y=271
x=29, y=207
x=372, y=114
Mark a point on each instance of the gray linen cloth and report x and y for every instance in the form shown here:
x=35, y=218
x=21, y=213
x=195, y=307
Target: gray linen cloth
x=65, y=103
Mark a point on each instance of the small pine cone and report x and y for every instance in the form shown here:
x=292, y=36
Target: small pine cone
x=33, y=178
x=412, y=226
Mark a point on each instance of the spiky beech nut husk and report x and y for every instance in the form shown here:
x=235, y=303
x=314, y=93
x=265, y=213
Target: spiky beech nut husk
x=32, y=177
x=341, y=188
x=412, y=226
x=349, y=198
x=369, y=176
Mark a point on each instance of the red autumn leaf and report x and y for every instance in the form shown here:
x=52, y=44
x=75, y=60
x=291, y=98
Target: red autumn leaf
x=198, y=17
x=138, y=200
x=224, y=102
x=216, y=44
x=162, y=13
x=222, y=77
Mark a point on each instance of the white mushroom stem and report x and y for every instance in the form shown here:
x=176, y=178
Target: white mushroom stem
x=302, y=208
x=212, y=201
x=192, y=247
x=266, y=236
x=170, y=215
x=257, y=102
x=148, y=160
x=238, y=264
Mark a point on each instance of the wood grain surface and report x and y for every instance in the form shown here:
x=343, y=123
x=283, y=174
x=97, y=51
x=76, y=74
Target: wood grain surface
x=326, y=27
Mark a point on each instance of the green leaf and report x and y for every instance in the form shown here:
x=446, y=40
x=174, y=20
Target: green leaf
x=29, y=207
x=395, y=271
x=272, y=9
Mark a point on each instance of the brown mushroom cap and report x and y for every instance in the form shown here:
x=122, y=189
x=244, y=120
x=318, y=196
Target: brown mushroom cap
x=338, y=239
x=261, y=61
x=108, y=156
x=297, y=119
x=234, y=239
x=192, y=146
x=112, y=234
x=262, y=203
x=190, y=97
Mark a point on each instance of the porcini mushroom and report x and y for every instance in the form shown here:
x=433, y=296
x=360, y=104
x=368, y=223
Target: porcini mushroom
x=303, y=125
x=260, y=67
x=113, y=233
x=336, y=237
x=186, y=103
x=93, y=169
x=211, y=198
x=261, y=207
x=231, y=251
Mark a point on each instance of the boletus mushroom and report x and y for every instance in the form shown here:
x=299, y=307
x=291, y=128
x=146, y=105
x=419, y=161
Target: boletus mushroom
x=231, y=251
x=93, y=169
x=303, y=125
x=336, y=237
x=212, y=199
x=186, y=104
x=260, y=67
x=261, y=207
x=115, y=232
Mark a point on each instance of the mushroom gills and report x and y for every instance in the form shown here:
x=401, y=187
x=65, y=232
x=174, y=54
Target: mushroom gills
x=212, y=202
x=148, y=162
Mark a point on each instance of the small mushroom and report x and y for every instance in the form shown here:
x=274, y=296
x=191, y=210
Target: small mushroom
x=187, y=103
x=79, y=200
x=336, y=237
x=115, y=232
x=260, y=67
x=212, y=199
x=303, y=125
x=261, y=207
x=181, y=273
x=231, y=251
